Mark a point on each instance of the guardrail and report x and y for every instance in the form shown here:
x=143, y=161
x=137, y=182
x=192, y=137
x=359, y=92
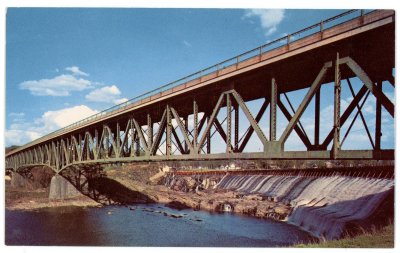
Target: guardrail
x=259, y=51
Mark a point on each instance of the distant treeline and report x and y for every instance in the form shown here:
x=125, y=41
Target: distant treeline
x=11, y=148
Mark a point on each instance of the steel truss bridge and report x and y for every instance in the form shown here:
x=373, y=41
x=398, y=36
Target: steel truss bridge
x=179, y=121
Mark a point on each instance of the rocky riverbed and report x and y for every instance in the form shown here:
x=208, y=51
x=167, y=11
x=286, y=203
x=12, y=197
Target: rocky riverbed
x=197, y=193
x=181, y=192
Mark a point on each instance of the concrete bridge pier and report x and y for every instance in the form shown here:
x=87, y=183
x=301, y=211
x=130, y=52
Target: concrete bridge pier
x=60, y=188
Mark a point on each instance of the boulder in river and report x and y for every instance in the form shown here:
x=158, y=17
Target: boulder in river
x=177, y=205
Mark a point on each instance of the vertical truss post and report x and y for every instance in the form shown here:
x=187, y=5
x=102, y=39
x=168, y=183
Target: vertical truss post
x=106, y=137
x=124, y=143
x=186, y=147
x=137, y=143
x=195, y=125
x=149, y=131
x=80, y=147
x=336, y=113
x=378, y=119
x=62, y=154
x=208, y=137
x=117, y=140
x=133, y=140
x=87, y=143
x=133, y=147
x=68, y=151
x=228, y=123
x=96, y=136
x=73, y=149
x=236, y=137
x=169, y=133
x=317, y=116
x=272, y=122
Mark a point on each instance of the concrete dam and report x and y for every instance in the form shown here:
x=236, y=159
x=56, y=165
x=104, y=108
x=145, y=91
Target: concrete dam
x=321, y=205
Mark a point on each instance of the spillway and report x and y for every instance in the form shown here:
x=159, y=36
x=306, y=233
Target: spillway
x=321, y=205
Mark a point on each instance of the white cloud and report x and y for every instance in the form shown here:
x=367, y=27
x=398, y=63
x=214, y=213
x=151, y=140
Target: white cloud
x=76, y=71
x=60, y=85
x=16, y=116
x=22, y=133
x=269, y=19
x=120, y=101
x=65, y=117
x=106, y=94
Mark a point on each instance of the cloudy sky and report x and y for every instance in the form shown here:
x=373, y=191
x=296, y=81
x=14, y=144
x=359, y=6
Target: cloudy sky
x=63, y=65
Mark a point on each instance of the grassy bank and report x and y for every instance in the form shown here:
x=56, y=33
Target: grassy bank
x=379, y=238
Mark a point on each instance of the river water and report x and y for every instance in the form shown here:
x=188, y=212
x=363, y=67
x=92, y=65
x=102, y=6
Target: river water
x=146, y=225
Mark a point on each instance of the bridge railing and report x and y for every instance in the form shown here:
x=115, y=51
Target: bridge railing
x=215, y=69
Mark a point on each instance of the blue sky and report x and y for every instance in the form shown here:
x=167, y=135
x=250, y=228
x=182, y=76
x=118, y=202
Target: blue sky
x=65, y=64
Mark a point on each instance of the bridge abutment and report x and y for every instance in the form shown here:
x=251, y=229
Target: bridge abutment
x=60, y=188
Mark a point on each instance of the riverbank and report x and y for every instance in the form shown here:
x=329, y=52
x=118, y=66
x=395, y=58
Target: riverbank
x=26, y=198
x=377, y=238
x=145, y=182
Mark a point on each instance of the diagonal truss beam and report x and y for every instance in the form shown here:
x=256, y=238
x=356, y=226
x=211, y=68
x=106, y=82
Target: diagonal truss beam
x=354, y=120
x=389, y=106
x=221, y=131
x=141, y=135
x=212, y=120
x=182, y=128
x=345, y=115
x=178, y=143
x=303, y=136
x=159, y=134
x=250, y=117
x=250, y=129
x=360, y=113
x=315, y=85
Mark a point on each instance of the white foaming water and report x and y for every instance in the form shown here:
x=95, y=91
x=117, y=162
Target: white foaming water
x=321, y=205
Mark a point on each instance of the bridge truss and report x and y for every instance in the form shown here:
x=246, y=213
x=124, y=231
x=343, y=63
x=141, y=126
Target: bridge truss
x=185, y=128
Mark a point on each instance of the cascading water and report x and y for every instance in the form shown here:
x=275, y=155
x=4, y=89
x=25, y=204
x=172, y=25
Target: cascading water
x=321, y=205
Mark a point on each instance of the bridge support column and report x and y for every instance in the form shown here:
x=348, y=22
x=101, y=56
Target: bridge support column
x=336, y=112
x=208, y=137
x=317, y=117
x=228, y=123
x=60, y=188
x=117, y=141
x=186, y=147
x=149, y=131
x=137, y=143
x=236, y=137
x=378, y=120
x=169, y=133
x=272, y=121
x=195, y=126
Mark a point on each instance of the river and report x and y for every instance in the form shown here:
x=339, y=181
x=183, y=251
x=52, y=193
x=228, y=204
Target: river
x=145, y=225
